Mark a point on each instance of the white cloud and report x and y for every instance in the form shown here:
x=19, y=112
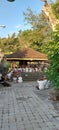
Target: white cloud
x=18, y=26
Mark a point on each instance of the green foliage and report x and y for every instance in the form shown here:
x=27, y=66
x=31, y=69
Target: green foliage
x=9, y=44
x=55, y=8
x=53, y=55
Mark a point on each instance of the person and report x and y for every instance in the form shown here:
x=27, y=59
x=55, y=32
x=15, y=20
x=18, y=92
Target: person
x=0, y=76
x=3, y=72
x=3, y=66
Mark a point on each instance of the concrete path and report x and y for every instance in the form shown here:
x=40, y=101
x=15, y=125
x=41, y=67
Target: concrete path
x=22, y=107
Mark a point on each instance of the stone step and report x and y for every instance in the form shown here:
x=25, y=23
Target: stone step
x=31, y=76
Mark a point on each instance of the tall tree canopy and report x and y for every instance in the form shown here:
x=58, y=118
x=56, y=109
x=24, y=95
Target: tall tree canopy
x=40, y=29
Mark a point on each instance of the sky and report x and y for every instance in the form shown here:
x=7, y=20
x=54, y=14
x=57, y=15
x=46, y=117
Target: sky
x=11, y=15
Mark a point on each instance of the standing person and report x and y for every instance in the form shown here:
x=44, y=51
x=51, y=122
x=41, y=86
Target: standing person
x=3, y=66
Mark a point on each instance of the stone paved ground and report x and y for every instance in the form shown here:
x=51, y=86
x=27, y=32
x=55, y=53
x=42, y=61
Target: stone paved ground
x=23, y=107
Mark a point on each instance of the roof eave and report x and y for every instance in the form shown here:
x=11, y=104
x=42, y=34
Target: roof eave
x=31, y=59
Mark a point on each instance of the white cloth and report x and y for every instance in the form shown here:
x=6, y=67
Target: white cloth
x=9, y=75
x=43, y=84
x=20, y=79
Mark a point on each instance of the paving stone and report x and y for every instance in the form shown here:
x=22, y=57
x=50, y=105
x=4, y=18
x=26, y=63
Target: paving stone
x=21, y=108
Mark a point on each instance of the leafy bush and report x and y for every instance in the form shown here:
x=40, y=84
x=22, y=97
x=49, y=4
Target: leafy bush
x=53, y=56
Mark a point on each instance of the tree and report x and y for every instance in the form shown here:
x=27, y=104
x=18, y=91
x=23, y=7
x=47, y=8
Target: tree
x=55, y=8
x=9, y=44
x=41, y=30
x=36, y=21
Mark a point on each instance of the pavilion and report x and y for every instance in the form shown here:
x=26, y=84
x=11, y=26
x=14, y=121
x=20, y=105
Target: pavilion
x=31, y=63
x=27, y=55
